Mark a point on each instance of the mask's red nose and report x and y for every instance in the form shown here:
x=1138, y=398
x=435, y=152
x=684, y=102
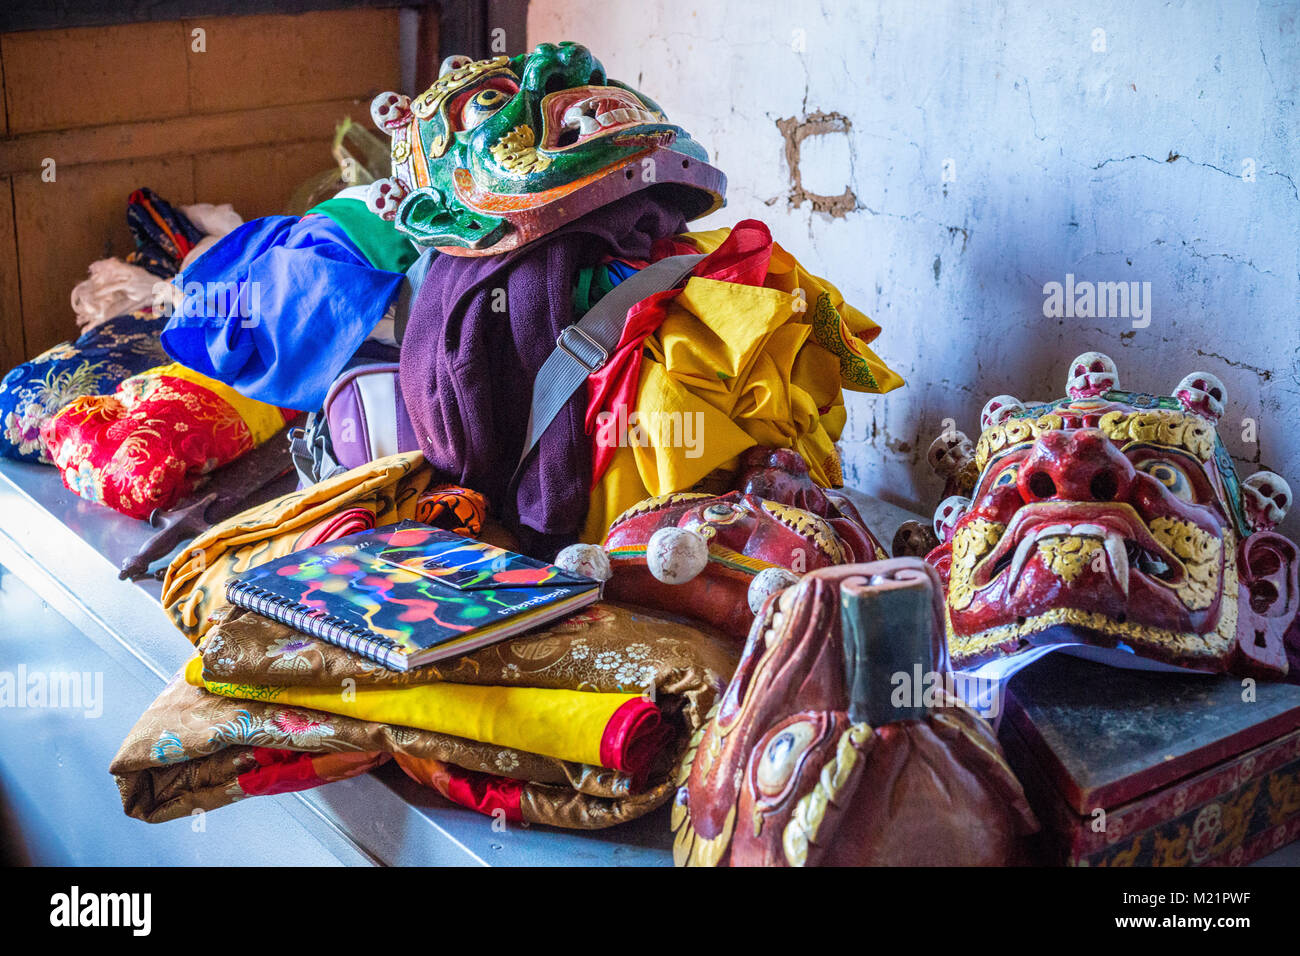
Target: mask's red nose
x=1081, y=465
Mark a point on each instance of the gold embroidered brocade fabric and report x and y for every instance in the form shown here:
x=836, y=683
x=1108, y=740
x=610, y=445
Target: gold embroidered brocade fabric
x=187, y=750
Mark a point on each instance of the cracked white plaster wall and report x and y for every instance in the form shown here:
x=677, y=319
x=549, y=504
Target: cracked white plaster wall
x=1122, y=165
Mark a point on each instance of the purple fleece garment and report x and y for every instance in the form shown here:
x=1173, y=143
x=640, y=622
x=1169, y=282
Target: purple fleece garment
x=467, y=369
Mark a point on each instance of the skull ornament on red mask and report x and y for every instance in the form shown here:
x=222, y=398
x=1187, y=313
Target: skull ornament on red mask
x=998, y=409
x=947, y=515
x=952, y=456
x=1092, y=374
x=1117, y=518
x=1203, y=394
x=814, y=758
x=1265, y=498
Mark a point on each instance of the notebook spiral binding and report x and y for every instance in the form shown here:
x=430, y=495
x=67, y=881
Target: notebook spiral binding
x=326, y=627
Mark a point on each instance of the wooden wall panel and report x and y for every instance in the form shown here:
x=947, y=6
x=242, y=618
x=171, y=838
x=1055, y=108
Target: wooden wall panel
x=257, y=181
x=12, y=347
x=265, y=61
x=65, y=225
x=55, y=79
x=118, y=107
x=180, y=136
x=4, y=110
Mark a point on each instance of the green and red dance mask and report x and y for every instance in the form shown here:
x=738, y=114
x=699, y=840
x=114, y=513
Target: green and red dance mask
x=501, y=151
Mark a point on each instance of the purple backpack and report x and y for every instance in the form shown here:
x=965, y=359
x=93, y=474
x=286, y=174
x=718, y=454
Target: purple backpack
x=366, y=416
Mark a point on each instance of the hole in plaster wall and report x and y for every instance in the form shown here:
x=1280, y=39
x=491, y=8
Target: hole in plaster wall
x=798, y=133
x=825, y=165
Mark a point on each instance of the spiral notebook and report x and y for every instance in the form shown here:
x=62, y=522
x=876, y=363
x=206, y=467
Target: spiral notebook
x=407, y=594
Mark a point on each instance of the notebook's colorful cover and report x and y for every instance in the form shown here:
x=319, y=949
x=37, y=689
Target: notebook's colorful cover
x=470, y=565
x=343, y=592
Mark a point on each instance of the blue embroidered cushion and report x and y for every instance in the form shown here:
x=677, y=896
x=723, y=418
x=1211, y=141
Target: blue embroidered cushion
x=32, y=393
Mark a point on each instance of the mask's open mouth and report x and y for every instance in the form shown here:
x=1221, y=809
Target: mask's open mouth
x=577, y=116
x=1109, y=536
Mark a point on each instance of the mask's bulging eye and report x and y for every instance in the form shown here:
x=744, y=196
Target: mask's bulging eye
x=781, y=756
x=1169, y=475
x=719, y=514
x=480, y=106
x=1007, y=476
x=472, y=107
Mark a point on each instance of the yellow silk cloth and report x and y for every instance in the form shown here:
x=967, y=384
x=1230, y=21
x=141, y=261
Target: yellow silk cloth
x=195, y=583
x=565, y=724
x=734, y=366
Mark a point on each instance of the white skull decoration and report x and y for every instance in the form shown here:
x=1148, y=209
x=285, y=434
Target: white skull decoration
x=1092, y=374
x=676, y=555
x=1202, y=394
x=948, y=514
x=1266, y=498
x=589, y=560
x=453, y=63
x=1205, y=831
x=390, y=111
x=913, y=540
x=383, y=196
x=767, y=582
x=949, y=452
x=997, y=409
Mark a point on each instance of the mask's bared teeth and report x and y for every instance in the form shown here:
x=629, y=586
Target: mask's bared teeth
x=1051, y=530
x=1117, y=550
x=577, y=117
x=1017, y=565
x=1090, y=530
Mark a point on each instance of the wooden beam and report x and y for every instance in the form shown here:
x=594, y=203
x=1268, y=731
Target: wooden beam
x=44, y=15
x=12, y=347
x=178, y=136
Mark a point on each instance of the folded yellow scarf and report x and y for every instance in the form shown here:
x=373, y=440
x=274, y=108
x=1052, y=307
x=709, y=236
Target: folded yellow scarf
x=565, y=724
x=733, y=366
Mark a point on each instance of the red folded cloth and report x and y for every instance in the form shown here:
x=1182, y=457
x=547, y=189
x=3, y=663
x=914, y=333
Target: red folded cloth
x=287, y=771
x=479, y=791
x=345, y=522
x=633, y=738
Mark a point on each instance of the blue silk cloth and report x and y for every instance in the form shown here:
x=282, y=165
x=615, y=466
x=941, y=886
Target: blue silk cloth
x=277, y=307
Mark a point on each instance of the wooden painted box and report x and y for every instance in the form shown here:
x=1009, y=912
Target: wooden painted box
x=1134, y=768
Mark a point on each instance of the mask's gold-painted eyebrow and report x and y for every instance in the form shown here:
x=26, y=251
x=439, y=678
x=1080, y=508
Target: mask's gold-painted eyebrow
x=1162, y=426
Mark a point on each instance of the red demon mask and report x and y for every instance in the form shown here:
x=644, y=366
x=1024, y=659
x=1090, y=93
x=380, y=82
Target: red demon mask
x=716, y=557
x=1120, y=517
x=813, y=757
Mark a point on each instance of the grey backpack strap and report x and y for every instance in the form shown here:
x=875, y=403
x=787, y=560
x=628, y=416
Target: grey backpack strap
x=312, y=452
x=585, y=346
x=409, y=289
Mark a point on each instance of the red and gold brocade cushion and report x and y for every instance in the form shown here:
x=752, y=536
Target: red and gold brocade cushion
x=147, y=445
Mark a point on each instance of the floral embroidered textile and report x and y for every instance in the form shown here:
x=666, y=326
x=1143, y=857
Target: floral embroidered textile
x=34, y=392
x=151, y=442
